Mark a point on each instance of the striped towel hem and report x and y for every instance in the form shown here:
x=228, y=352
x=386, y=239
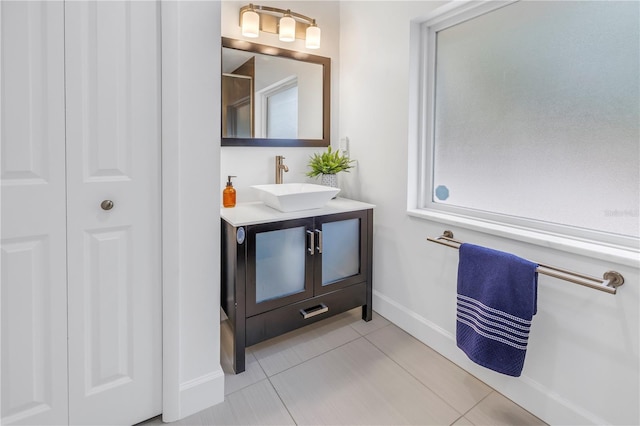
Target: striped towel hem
x=491, y=323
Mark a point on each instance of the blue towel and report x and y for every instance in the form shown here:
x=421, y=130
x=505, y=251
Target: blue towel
x=497, y=295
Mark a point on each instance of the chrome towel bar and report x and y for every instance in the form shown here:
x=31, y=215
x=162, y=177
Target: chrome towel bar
x=609, y=282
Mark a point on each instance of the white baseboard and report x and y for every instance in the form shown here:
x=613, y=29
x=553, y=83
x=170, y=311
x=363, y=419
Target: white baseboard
x=199, y=394
x=524, y=391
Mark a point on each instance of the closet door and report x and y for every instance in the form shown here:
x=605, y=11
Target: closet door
x=33, y=234
x=112, y=55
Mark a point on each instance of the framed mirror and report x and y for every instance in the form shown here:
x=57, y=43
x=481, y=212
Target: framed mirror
x=273, y=96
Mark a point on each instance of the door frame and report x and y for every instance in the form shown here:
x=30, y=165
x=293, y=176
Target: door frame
x=193, y=379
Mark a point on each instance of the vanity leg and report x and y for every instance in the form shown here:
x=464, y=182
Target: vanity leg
x=239, y=340
x=367, y=310
x=238, y=358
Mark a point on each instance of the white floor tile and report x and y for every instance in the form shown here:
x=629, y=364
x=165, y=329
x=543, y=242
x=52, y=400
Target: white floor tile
x=498, y=410
x=459, y=388
x=357, y=384
x=344, y=371
x=364, y=327
x=283, y=352
x=463, y=421
x=257, y=404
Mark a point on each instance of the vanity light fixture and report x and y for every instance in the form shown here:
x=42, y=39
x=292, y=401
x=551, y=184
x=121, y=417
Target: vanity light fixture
x=287, y=24
x=287, y=30
x=313, y=36
x=250, y=23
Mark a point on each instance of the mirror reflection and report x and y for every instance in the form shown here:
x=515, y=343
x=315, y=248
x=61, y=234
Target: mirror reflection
x=237, y=101
x=271, y=99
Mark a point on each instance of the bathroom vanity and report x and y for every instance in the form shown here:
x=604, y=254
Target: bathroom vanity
x=282, y=271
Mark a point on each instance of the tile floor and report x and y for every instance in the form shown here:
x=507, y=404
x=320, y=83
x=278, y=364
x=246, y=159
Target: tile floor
x=344, y=371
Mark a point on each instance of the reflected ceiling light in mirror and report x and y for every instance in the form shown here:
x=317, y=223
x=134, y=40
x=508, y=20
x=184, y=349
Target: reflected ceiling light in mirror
x=287, y=24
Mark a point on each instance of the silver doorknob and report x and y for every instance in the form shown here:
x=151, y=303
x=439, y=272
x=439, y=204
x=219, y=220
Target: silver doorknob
x=106, y=205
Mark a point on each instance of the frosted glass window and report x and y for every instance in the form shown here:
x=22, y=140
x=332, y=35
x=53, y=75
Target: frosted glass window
x=340, y=250
x=280, y=263
x=536, y=115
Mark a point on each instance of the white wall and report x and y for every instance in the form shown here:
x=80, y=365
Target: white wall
x=583, y=360
x=256, y=165
x=192, y=377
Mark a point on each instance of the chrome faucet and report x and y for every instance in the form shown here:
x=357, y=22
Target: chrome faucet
x=280, y=168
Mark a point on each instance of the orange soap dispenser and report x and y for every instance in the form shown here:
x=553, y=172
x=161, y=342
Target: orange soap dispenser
x=229, y=194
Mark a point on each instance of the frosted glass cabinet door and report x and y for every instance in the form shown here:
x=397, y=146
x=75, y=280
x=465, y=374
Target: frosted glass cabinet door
x=341, y=250
x=340, y=245
x=280, y=263
x=279, y=269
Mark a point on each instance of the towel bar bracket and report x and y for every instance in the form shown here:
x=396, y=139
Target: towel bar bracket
x=611, y=280
x=615, y=278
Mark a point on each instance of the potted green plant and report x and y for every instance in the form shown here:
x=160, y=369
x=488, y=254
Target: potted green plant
x=327, y=165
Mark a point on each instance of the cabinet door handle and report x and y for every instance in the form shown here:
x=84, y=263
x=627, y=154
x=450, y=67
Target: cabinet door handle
x=314, y=310
x=319, y=241
x=311, y=247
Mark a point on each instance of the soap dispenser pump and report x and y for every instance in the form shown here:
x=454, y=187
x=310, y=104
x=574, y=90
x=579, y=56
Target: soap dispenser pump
x=229, y=194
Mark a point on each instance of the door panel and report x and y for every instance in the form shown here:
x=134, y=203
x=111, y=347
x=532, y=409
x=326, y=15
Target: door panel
x=342, y=260
x=108, y=309
x=113, y=153
x=30, y=382
x=34, y=294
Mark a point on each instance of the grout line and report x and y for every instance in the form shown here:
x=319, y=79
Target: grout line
x=284, y=404
x=456, y=420
x=315, y=356
x=412, y=375
x=359, y=336
x=478, y=403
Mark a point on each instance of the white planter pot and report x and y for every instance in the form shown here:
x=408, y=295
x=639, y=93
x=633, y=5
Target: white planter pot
x=329, y=180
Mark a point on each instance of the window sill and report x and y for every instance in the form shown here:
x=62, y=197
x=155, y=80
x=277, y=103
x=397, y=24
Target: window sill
x=616, y=254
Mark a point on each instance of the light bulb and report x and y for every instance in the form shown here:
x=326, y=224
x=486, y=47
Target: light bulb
x=287, y=30
x=313, y=37
x=250, y=24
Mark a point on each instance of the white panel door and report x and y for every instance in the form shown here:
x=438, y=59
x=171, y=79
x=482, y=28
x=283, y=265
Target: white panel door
x=33, y=234
x=113, y=153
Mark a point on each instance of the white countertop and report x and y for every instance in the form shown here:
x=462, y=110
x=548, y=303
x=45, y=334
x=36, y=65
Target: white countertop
x=257, y=212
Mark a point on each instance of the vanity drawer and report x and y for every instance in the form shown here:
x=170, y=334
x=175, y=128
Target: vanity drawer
x=281, y=320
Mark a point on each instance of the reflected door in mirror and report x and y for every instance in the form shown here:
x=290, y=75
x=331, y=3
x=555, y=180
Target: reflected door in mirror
x=237, y=106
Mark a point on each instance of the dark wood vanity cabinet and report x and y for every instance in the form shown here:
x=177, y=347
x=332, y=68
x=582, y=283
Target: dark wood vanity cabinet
x=282, y=275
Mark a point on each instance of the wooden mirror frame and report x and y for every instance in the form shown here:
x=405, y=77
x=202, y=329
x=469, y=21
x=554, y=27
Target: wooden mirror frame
x=326, y=95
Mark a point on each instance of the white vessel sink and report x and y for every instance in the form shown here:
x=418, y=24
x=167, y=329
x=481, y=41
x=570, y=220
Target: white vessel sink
x=292, y=197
